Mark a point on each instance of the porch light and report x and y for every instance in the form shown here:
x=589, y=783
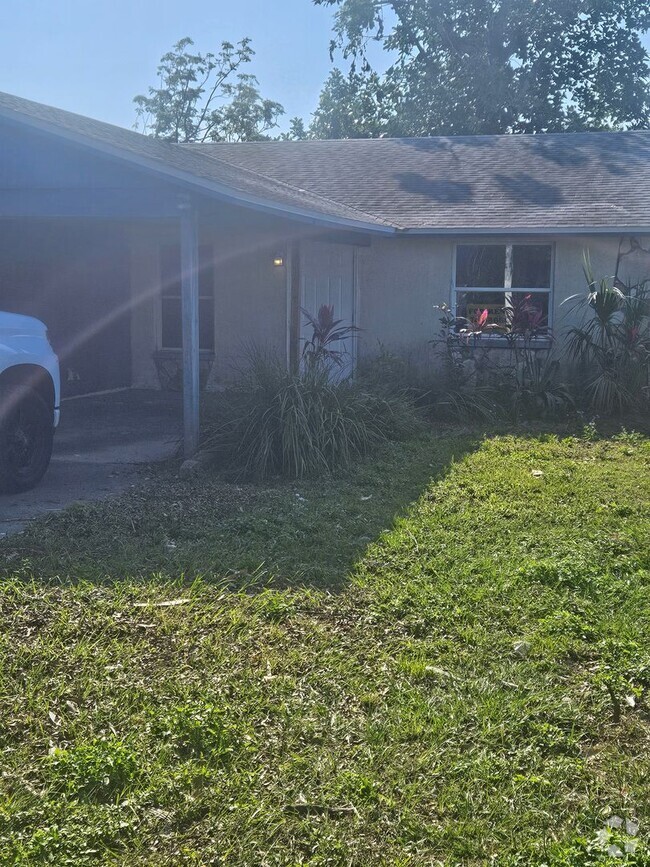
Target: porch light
x=278, y=261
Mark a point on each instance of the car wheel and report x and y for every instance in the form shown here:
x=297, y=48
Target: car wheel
x=26, y=436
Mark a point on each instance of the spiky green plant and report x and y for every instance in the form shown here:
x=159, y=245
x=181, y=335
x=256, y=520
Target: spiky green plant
x=299, y=424
x=612, y=343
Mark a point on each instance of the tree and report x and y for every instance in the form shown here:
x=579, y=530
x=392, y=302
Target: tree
x=497, y=66
x=296, y=132
x=350, y=107
x=206, y=97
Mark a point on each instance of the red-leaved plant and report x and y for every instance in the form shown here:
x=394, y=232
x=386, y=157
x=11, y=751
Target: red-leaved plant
x=319, y=350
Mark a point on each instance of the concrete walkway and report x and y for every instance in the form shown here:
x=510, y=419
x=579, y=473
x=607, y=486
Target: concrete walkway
x=99, y=449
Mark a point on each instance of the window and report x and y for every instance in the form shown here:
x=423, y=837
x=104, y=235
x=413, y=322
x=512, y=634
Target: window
x=170, y=277
x=503, y=288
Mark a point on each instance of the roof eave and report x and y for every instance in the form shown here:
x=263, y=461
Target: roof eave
x=193, y=183
x=528, y=230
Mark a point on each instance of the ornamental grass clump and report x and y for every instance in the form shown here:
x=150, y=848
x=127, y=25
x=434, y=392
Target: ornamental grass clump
x=307, y=422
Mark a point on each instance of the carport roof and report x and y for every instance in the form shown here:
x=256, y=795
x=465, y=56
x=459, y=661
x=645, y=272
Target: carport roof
x=571, y=182
x=201, y=170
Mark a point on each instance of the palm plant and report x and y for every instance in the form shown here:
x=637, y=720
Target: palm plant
x=612, y=344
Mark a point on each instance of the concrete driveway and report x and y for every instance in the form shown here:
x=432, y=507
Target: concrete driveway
x=99, y=449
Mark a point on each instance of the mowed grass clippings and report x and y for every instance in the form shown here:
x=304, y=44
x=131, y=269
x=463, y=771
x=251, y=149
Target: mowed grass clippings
x=474, y=692
x=309, y=532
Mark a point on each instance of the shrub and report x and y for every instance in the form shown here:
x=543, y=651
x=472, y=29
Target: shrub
x=612, y=343
x=518, y=379
x=297, y=424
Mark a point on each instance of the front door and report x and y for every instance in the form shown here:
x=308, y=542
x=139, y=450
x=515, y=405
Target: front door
x=328, y=277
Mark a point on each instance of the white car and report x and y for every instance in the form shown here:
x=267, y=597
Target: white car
x=29, y=401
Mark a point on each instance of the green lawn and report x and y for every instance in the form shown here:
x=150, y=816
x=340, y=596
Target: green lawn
x=463, y=685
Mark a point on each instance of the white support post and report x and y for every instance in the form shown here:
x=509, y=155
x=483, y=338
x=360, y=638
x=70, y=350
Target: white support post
x=190, y=316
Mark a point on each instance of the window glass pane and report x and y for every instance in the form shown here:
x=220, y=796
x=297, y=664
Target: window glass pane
x=480, y=265
x=172, y=334
x=170, y=270
x=528, y=312
x=206, y=323
x=531, y=266
x=471, y=307
x=172, y=323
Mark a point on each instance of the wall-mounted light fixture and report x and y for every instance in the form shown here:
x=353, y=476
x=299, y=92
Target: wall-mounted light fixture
x=278, y=261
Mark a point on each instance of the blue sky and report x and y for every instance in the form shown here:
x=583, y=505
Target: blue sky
x=93, y=56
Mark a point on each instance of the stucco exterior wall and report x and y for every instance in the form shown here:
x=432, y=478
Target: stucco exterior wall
x=401, y=280
x=250, y=302
x=250, y=297
x=399, y=283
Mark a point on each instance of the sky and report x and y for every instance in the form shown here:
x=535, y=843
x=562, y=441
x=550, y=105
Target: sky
x=94, y=56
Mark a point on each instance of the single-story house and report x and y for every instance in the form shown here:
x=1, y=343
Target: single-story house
x=138, y=253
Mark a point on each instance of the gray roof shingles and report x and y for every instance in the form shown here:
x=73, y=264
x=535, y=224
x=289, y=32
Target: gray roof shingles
x=540, y=182
x=570, y=181
x=200, y=165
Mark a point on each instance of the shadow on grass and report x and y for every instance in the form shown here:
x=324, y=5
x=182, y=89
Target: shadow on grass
x=298, y=534
x=306, y=534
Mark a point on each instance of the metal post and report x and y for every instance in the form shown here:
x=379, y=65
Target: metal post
x=190, y=316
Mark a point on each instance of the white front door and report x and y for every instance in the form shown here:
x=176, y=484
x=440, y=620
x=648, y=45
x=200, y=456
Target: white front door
x=328, y=277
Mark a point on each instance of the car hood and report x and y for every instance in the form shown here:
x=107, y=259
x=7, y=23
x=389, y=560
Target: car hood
x=16, y=325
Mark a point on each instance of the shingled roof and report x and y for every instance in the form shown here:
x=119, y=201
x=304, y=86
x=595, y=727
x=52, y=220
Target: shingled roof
x=476, y=183
x=201, y=169
x=544, y=183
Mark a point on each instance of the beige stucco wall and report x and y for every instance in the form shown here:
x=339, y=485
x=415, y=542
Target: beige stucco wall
x=399, y=283
x=402, y=279
x=250, y=296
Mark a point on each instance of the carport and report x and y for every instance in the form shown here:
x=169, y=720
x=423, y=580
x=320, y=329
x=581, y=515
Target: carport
x=85, y=209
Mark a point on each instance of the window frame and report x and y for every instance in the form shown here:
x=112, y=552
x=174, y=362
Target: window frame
x=203, y=296
x=509, y=244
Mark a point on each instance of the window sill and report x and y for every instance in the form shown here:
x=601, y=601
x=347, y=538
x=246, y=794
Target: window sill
x=498, y=341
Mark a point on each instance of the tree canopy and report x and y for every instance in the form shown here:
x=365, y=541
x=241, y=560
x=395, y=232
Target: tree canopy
x=488, y=66
x=350, y=106
x=206, y=97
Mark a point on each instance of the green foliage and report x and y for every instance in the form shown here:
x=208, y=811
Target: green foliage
x=196, y=730
x=302, y=424
x=310, y=421
x=350, y=106
x=478, y=67
x=612, y=344
x=100, y=770
x=538, y=391
x=205, y=97
x=518, y=380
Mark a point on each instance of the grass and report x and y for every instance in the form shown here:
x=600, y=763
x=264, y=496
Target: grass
x=467, y=687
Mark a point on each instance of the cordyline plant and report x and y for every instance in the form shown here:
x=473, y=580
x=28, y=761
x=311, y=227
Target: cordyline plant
x=320, y=350
x=523, y=383
x=612, y=343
